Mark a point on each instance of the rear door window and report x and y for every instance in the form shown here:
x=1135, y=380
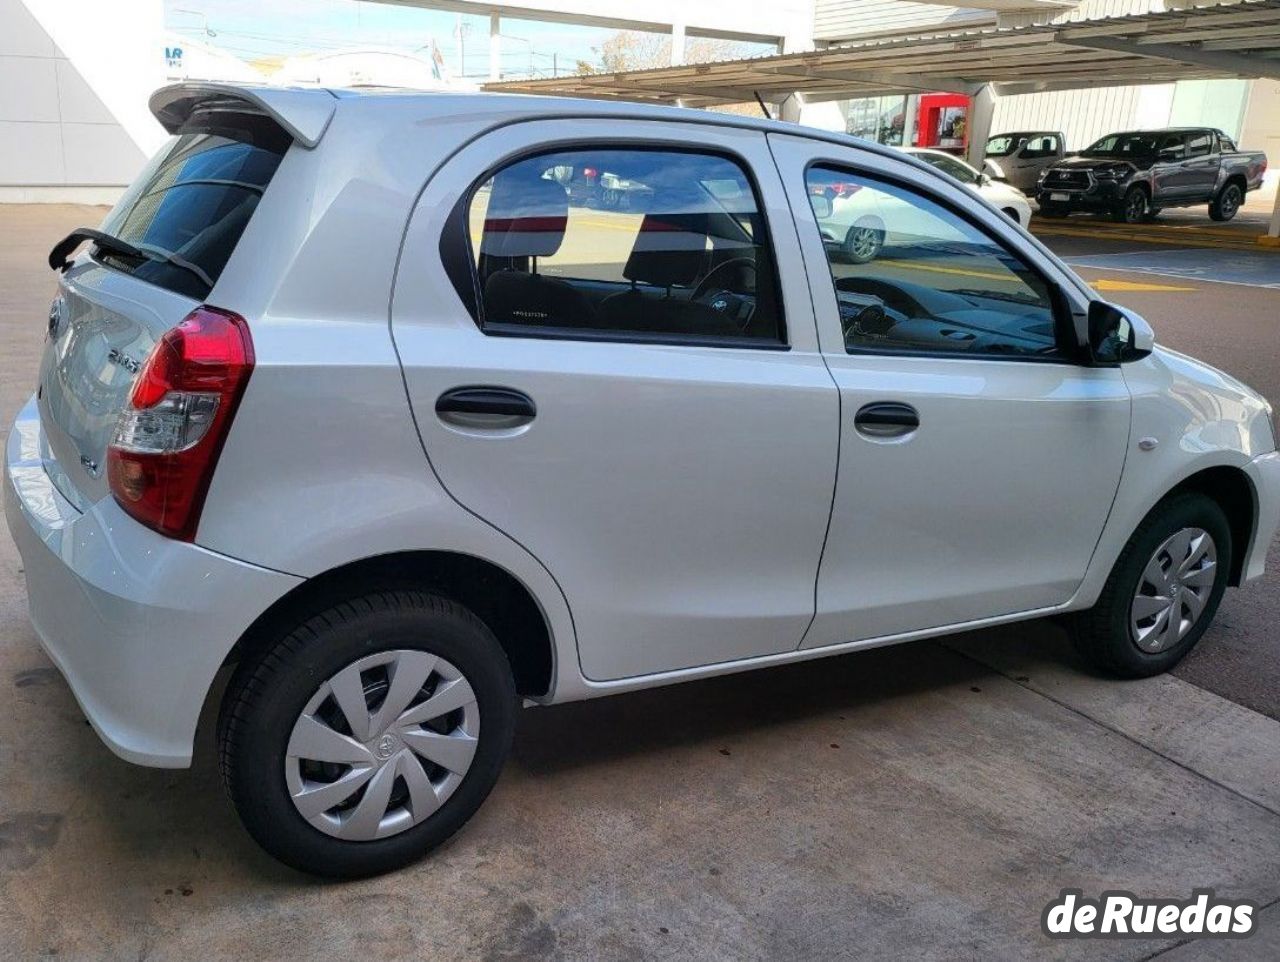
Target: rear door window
x=1199, y=144
x=190, y=205
x=625, y=243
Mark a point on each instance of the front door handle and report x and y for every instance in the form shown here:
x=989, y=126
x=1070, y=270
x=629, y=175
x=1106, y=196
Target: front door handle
x=886, y=419
x=480, y=406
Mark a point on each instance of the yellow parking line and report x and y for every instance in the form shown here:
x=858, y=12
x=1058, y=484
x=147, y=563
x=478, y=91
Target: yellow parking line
x=1185, y=240
x=1107, y=284
x=917, y=266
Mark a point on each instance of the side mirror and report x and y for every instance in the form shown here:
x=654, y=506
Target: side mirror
x=821, y=205
x=1117, y=335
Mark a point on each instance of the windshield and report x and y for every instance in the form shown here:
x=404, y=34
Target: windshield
x=1002, y=146
x=190, y=206
x=1122, y=145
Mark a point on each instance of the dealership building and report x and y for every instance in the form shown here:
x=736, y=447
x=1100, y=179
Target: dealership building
x=75, y=74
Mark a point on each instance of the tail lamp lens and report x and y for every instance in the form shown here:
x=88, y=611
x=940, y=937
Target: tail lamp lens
x=168, y=438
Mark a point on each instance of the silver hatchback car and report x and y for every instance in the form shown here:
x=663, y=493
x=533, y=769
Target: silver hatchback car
x=406, y=407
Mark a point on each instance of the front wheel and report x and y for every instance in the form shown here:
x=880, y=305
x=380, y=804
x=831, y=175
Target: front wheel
x=368, y=734
x=1133, y=206
x=1163, y=591
x=862, y=244
x=1227, y=203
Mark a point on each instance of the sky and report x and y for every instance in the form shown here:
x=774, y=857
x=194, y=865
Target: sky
x=252, y=29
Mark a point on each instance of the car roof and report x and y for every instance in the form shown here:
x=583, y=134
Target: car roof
x=305, y=112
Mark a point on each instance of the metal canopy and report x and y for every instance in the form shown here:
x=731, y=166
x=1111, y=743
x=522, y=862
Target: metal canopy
x=1200, y=40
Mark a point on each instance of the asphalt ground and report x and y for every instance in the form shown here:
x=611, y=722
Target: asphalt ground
x=924, y=801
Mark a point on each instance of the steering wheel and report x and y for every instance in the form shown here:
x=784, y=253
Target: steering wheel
x=736, y=306
x=705, y=284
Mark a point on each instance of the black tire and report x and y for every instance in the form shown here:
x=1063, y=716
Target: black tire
x=1152, y=213
x=1225, y=206
x=269, y=691
x=1103, y=634
x=1053, y=213
x=862, y=244
x=1132, y=208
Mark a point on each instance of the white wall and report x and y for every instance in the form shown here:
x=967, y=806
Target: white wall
x=1085, y=115
x=74, y=80
x=839, y=20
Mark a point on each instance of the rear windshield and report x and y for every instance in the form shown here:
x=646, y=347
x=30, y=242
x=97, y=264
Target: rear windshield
x=192, y=202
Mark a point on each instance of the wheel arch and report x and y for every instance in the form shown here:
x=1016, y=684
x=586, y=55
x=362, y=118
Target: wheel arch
x=1240, y=181
x=496, y=596
x=1232, y=490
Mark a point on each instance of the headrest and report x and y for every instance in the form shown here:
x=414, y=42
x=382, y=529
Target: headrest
x=671, y=249
x=526, y=217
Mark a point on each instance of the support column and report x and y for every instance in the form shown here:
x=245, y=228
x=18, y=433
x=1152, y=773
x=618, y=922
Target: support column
x=495, y=47
x=1274, y=229
x=789, y=109
x=982, y=110
x=677, y=44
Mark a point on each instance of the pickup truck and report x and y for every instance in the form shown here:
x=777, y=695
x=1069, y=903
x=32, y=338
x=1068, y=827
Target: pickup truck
x=1133, y=175
x=1018, y=158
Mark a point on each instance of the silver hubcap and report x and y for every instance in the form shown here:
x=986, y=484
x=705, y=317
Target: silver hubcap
x=382, y=744
x=1173, y=589
x=864, y=242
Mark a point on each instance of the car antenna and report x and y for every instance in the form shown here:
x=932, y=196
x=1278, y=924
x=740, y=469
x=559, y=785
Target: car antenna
x=763, y=106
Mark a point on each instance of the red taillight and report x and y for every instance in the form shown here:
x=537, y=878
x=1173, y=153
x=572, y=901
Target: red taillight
x=589, y=173
x=167, y=440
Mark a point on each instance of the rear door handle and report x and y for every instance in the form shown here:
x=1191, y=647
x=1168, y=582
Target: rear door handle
x=886, y=419
x=480, y=406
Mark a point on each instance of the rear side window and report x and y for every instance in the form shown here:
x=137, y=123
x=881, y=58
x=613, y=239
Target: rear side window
x=190, y=205
x=1199, y=144
x=624, y=244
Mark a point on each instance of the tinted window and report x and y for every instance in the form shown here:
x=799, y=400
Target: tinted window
x=192, y=202
x=912, y=276
x=1176, y=143
x=1199, y=144
x=1002, y=145
x=1044, y=145
x=661, y=244
x=1122, y=145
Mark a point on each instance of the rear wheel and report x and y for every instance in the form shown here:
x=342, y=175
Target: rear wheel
x=1163, y=591
x=1152, y=213
x=1133, y=206
x=1227, y=203
x=369, y=734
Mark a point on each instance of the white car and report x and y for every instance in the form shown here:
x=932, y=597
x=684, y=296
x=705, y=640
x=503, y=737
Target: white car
x=862, y=223
x=350, y=396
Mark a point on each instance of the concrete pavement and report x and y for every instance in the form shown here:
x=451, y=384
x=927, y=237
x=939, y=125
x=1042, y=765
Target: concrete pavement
x=925, y=801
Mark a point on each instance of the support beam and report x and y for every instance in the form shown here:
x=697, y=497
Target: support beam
x=881, y=78
x=1229, y=63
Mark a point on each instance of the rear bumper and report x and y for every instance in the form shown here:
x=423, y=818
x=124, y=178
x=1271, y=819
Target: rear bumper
x=137, y=623
x=1264, y=472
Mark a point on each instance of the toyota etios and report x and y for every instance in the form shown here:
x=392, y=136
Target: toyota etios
x=412, y=406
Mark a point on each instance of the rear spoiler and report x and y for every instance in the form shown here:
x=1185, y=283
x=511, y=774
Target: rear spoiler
x=303, y=113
